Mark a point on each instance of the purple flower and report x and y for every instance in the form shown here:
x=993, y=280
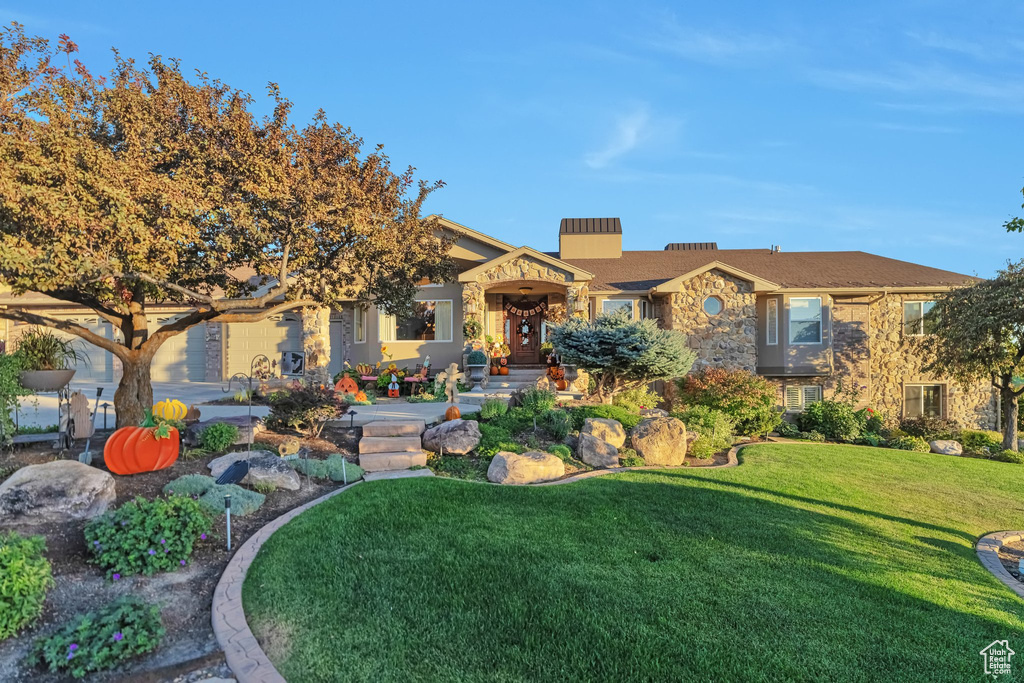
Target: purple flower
x=70, y=655
x=162, y=541
x=183, y=563
x=73, y=646
x=202, y=536
x=124, y=523
x=152, y=552
x=95, y=542
x=116, y=577
x=118, y=636
x=170, y=492
x=166, y=550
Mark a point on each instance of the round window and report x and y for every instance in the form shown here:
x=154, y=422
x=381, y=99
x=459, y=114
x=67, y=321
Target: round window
x=713, y=305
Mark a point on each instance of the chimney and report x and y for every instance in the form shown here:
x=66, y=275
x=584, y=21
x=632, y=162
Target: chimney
x=586, y=238
x=691, y=246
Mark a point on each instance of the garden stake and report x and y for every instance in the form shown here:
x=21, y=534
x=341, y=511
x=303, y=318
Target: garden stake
x=227, y=511
x=86, y=456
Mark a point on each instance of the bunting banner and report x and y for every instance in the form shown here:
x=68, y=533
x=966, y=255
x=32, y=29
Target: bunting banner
x=526, y=308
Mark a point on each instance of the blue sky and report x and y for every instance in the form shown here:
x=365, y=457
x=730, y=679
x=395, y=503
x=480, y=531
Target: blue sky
x=888, y=127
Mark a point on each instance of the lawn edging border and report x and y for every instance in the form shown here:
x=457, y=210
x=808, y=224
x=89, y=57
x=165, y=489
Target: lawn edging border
x=243, y=653
x=988, y=552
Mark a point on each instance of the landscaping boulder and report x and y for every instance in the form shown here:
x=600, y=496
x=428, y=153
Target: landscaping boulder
x=660, y=440
x=653, y=412
x=595, y=452
x=543, y=383
x=245, y=426
x=606, y=430
x=264, y=466
x=456, y=437
x=946, y=447
x=55, y=492
x=526, y=468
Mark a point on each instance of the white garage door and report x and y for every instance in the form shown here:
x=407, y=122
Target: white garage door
x=270, y=337
x=96, y=364
x=182, y=358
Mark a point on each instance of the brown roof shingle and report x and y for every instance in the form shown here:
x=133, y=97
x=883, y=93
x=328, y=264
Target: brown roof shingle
x=641, y=270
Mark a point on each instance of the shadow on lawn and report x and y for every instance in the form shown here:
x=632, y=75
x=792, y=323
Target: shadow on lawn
x=619, y=578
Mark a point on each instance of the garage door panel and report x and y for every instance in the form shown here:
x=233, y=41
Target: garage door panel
x=96, y=364
x=271, y=337
x=182, y=358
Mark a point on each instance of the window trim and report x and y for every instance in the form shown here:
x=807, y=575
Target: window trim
x=802, y=388
x=380, y=327
x=631, y=302
x=821, y=321
x=943, y=389
x=646, y=310
x=920, y=320
x=355, y=337
x=770, y=315
x=704, y=302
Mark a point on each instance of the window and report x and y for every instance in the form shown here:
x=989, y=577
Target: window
x=359, y=324
x=798, y=398
x=646, y=309
x=612, y=306
x=922, y=400
x=914, y=321
x=713, y=305
x=805, y=320
x=772, y=323
x=430, y=321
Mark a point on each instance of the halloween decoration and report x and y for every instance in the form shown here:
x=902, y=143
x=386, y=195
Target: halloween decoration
x=393, y=387
x=503, y=370
x=346, y=385
x=525, y=309
x=561, y=384
x=453, y=413
x=170, y=410
x=289, y=446
x=360, y=396
x=494, y=369
x=146, y=448
x=192, y=415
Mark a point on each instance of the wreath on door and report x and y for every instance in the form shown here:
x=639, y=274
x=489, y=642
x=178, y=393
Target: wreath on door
x=525, y=329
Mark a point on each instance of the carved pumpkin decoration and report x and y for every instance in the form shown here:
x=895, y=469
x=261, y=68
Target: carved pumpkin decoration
x=453, y=413
x=557, y=373
x=170, y=410
x=147, y=448
x=393, y=388
x=503, y=370
x=360, y=396
x=561, y=384
x=346, y=385
x=504, y=361
x=494, y=369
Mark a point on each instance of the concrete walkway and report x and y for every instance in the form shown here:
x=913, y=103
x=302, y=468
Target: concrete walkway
x=428, y=412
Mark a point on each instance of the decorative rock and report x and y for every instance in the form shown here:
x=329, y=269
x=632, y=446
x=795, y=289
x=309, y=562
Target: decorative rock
x=653, y=412
x=527, y=468
x=660, y=440
x=543, y=383
x=597, y=453
x=605, y=430
x=581, y=384
x=456, y=437
x=946, y=447
x=192, y=432
x=54, y=492
x=264, y=466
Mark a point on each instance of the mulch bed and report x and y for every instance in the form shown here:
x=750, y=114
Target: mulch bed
x=186, y=595
x=1010, y=555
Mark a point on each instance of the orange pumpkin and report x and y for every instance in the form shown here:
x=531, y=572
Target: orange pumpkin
x=361, y=396
x=562, y=385
x=453, y=413
x=147, y=448
x=557, y=373
x=494, y=369
x=503, y=370
x=346, y=385
x=504, y=361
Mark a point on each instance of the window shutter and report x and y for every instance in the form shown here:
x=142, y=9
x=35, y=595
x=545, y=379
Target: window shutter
x=793, y=398
x=812, y=394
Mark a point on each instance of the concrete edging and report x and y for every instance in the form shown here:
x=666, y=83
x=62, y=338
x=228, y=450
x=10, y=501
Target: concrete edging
x=988, y=552
x=245, y=657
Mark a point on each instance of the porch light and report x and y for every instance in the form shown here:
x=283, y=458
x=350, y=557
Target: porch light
x=525, y=290
x=579, y=305
x=471, y=306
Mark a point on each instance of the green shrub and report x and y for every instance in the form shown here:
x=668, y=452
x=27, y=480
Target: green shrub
x=313, y=468
x=538, y=401
x=627, y=419
x=817, y=437
x=562, y=451
x=304, y=408
x=910, y=443
x=218, y=437
x=930, y=428
x=492, y=408
x=494, y=439
x=340, y=469
x=872, y=421
x=459, y=466
x=629, y=458
x=243, y=501
x=714, y=427
x=102, y=639
x=634, y=400
x=515, y=421
x=193, y=485
x=25, y=577
x=872, y=440
x=837, y=420
x=748, y=399
x=476, y=358
x=788, y=430
x=557, y=423
x=1009, y=456
x=975, y=442
x=146, y=536
x=264, y=487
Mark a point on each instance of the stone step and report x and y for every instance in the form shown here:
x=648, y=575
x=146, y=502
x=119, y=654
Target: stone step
x=379, y=462
x=389, y=444
x=495, y=384
x=394, y=428
x=396, y=474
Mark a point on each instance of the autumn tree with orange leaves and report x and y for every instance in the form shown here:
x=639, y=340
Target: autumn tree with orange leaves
x=148, y=187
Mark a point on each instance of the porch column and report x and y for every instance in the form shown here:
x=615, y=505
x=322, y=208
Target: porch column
x=316, y=342
x=577, y=300
x=473, y=307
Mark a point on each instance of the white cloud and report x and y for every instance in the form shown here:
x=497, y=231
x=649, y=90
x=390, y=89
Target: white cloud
x=630, y=131
x=704, y=45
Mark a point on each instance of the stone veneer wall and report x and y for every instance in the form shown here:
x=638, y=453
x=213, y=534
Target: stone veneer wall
x=214, y=352
x=895, y=363
x=728, y=339
x=316, y=341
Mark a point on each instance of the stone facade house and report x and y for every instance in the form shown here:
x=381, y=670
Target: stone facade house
x=805, y=320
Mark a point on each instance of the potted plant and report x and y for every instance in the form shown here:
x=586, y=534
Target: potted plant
x=476, y=361
x=45, y=359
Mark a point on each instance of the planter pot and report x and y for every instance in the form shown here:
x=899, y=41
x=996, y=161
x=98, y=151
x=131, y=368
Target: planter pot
x=476, y=376
x=45, y=380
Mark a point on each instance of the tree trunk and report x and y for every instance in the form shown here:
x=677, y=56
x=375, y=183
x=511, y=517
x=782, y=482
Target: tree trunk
x=134, y=394
x=1010, y=414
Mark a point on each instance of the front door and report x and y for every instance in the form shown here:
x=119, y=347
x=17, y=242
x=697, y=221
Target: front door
x=524, y=337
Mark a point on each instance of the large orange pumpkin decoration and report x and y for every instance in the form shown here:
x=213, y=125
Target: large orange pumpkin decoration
x=494, y=369
x=346, y=385
x=562, y=385
x=147, y=448
x=453, y=413
x=557, y=373
x=503, y=370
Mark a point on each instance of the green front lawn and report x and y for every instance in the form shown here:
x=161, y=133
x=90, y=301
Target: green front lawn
x=806, y=562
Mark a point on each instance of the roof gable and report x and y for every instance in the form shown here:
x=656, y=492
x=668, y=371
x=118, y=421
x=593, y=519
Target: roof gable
x=529, y=253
